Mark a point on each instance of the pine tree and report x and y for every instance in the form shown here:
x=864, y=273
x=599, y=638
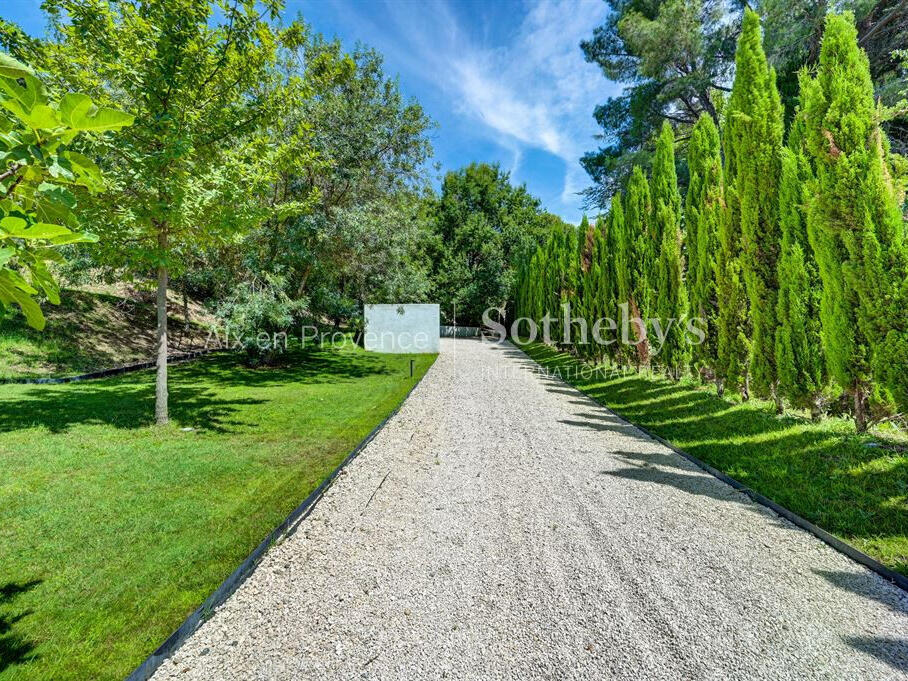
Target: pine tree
x=754, y=129
x=633, y=249
x=666, y=297
x=799, y=352
x=855, y=223
x=703, y=213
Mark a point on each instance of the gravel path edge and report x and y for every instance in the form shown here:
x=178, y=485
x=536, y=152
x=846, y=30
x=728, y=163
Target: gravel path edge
x=839, y=545
x=150, y=665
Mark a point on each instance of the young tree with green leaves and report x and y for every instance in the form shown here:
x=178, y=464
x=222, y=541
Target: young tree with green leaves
x=703, y=212
x=855, y=223
x=204, y=83
x=41, y=178
x=754, y=130
x=633, y=249
x=799, y=351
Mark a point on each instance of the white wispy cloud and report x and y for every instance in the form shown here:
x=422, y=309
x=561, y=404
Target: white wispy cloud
x=529, y=90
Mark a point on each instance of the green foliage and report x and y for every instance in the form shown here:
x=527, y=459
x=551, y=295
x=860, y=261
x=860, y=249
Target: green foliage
x=633, y=266
x=855, y=222
x=799, y=351
x=754, y=138
x=40, y=178
x=702, y=215
x=676, y=58
x=484, y=227
x=666, y=292
x=612, y=236
x=732, y=321
x=674, y=54
x=259, y=317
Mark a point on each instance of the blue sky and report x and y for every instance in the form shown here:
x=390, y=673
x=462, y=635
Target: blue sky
x=504, y=79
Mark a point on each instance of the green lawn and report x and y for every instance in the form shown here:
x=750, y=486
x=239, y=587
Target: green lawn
x=112, y=530
x=822, y=471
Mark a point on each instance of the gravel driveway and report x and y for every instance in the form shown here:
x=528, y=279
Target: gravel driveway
x=518, y=530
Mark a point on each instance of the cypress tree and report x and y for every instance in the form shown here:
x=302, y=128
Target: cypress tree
x=754, y=131
x=666, y=297
x=666, y=212
x=703, y=213
x=731, y=325
x=612, y=239
x=799, y=353
x=855, y=223
x=633, y=250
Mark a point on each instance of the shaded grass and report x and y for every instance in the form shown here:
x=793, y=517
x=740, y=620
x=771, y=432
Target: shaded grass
x=90, y=330
x=113, y=530
x=822, y=471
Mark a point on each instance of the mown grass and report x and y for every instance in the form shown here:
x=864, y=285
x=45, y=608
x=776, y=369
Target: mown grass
x=854, y=487
x=113, y=530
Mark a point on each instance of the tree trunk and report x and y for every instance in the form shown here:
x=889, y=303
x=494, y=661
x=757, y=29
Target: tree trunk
x=185, y=308
x=160, y=405
x=745, y=389
x=860, y=416
x=720, y=387
x=777, y=397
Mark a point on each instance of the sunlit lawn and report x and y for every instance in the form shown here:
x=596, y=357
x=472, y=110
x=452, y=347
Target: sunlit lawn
x=113, y=530
x=822, y=471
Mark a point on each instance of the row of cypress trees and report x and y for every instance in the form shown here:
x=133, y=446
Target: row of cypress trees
x=790, y=252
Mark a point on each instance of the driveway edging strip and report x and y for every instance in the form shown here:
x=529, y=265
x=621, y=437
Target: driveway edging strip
x=145, y=670
x=112, y=371
x=852, y=552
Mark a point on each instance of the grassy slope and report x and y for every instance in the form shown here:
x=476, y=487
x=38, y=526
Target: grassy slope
x=821, y=471
x=112, y=531
x=89, y=330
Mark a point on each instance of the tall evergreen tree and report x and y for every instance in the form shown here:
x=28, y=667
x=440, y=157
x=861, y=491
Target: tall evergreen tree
x=612, y=235
x=799, y=353
x=633, y=249
x=855, y=223
x=703, y=213
x=732, y=324
x=671, y=304
x=609, y=263
x=754, y=131
x=666, y=299
x=666, y=210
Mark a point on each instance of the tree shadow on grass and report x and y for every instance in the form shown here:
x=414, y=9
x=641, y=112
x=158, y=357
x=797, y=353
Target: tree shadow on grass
x=821, y=472
x=196, y=393
x=305, y=366
x=121, y=406
x=14, y=649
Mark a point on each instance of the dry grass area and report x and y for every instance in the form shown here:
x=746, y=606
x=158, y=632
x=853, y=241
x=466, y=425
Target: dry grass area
x=97, y=327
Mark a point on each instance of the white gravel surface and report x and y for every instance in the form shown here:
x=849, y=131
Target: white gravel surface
x=518, y=530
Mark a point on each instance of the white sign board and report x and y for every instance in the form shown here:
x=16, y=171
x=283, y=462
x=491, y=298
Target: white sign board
x=402, y=328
